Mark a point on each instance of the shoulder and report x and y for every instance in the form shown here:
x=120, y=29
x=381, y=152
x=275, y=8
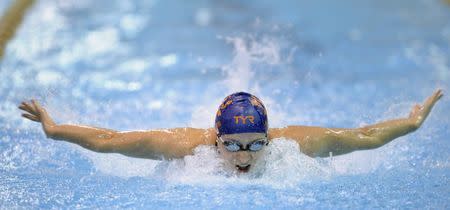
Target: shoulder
x=195, y=136
x=295, y=131
x=177, y=142
x=309, y=138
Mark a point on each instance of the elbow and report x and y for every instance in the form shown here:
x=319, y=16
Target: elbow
x=369, y=139
x=99, y=149
x=102, y=147
x=104, y=143
x=373, y=143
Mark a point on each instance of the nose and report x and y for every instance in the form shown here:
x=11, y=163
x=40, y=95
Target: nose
x=244, y=157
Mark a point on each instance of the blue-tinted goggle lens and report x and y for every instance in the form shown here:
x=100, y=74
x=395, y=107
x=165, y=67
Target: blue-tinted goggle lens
x=234, y=146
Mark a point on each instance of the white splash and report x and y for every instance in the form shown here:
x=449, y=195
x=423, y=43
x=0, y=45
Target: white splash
x=239, y=73
x=287, y=166
x=203, y=167
x=283, y=165
x=119, y=165
x=240, y=76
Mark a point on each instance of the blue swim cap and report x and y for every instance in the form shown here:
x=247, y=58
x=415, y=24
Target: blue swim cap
x=241, y=113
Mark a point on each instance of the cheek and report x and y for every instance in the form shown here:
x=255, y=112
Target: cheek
x=229, y=156
x=257, y=155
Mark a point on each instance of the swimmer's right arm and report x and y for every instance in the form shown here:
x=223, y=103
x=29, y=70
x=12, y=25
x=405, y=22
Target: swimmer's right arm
x=153, y=144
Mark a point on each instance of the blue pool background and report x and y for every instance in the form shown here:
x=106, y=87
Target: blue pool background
x=159, y=64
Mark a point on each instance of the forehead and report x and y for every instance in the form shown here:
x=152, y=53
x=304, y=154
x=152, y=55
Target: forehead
x=244, y=137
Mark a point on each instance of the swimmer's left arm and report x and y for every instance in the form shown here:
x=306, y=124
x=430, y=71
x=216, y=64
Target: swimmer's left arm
x=317, y=141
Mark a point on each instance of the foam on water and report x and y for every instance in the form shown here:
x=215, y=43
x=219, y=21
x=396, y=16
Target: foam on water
x=95, y=75
x=282, y=166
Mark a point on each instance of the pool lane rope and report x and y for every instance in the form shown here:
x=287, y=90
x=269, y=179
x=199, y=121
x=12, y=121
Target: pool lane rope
x=10, y=21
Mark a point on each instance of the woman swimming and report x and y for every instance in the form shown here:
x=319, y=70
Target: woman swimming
x=241, y=133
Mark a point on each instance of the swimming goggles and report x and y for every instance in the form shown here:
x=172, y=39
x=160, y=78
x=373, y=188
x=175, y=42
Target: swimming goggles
x=235, y=146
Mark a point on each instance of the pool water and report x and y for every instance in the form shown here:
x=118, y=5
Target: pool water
x=160, y=64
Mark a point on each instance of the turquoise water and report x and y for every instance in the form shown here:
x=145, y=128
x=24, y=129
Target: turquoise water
x=162, y=64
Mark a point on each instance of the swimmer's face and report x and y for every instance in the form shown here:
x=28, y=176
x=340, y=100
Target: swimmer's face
x=241, y=160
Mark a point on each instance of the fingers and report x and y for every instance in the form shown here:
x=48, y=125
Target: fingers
x=27, y=107
x=433, y=98
x=23, y=107
x=35, y=104
x=31, y=117
x=33, y=107
x=438, y=94
x=32, y=111
x=428, y=104
x=38, y=107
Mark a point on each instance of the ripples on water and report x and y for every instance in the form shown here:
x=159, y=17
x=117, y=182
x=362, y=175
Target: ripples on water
x=142, y=65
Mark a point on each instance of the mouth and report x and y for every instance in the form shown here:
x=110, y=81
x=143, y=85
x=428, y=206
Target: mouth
x=243, y=169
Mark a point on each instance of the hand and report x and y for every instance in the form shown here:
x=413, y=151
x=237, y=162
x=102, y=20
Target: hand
x=35, y=112
x=420, y=112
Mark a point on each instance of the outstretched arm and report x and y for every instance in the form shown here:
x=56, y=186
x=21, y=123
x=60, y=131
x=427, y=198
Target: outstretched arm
x=317, y=141
x=154, y=144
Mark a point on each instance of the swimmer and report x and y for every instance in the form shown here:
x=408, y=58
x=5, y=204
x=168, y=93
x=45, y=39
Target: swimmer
x=241, y=133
